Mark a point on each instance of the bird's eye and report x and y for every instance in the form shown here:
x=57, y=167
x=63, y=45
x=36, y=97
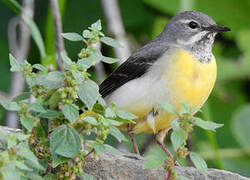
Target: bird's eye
x=193, y=25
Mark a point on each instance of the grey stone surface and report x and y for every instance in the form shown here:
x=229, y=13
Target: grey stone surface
x=128, y=166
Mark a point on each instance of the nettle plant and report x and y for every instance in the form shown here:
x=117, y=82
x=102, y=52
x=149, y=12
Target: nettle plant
x=53, y=141
x=63, y=109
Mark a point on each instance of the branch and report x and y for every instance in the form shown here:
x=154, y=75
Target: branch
x=115, y=26
x=59, y=43
x=19, y=49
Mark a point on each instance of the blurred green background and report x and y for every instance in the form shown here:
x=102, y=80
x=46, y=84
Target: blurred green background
x=229, y=147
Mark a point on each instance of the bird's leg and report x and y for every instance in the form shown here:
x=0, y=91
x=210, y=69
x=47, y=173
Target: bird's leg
x=132, y=137
x=160, y=141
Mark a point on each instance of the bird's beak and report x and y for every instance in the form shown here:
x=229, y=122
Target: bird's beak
x=216, y=28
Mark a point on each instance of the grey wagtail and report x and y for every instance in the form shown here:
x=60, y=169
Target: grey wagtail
x=176, y=66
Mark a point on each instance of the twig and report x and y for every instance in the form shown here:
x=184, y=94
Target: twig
x=19, y=50
x=115, y=26
x=59, y=43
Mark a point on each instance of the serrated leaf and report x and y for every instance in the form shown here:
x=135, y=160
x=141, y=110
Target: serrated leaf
x=208, y=125
x=10, y=106
x=97, y=25
x=117, y=134
x=169, y=108
x=52, y=80
x=111, y=149
x=90, y=120
x=28, y=123
x=109, y=113
x=15, y=64
x=86, y=176
x=37, y=107
x=109, y=60
x=66, y=59
x=114, y=123
x=154, y=159
x=78, y=76
x=29, y=155
x=199, y=163
x=65, y=141
x=57, y=160
x=95, y=55
x=21, y=97
x=110, y=41
x=99, y=148
x=10, y=172
x=31, y=81
x=85, y=63
x=72, y=36
x=50, y=114
x=22, y=166
x=88, y=92
x=70, y=112
x=40, y=67
x=177, y=139
x=125, y=115
x=87, y=34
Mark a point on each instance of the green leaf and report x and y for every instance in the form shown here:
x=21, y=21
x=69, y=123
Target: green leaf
x=154, y=159
x=66, y=59
x=50, y=114
x=175, y=124
x=22, y=137
x=40, y=67
x=85, y=63
x=111, y=149
x=99, y=147
x=10, y=106
x=87, y=34
x=125, y=115
x=31, y=81
x=21, y=97
x=182, y=178
x=96, y=26
x=208, y=125
x=70, y=112
x=241, y=125
x=36, y=35
x=37, y=107
x=22, y=166
x=169, y=108
x=10, y=173
x=78, y=76
x=72, y=36
x=109, y=60
x=114, y=123
x=29, y=155
x=90, y=120
x=88, y=92
x=117, y=134
x=177, y=139
x=65, y=141
x=57, y=160
x=95, y=55
x=53, y=80
x=86, y=176
x=28, y=123
x=110, y=41
x=15, y=64
x=199, y=163
x=109, y=113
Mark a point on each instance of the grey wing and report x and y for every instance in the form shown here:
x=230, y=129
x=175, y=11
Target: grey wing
x=134, y=67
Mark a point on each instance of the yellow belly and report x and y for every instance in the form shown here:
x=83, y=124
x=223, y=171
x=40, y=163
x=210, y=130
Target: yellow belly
x=186, y=79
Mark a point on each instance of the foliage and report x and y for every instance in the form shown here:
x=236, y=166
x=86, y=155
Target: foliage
x=182, y=127
x=54, y=133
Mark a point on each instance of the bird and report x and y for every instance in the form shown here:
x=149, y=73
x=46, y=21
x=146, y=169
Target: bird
x=176, y=66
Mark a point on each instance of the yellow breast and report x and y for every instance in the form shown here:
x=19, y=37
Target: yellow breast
x=186, y=79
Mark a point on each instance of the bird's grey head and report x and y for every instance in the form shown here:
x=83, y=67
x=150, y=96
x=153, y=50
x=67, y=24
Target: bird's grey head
x=193, y=31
